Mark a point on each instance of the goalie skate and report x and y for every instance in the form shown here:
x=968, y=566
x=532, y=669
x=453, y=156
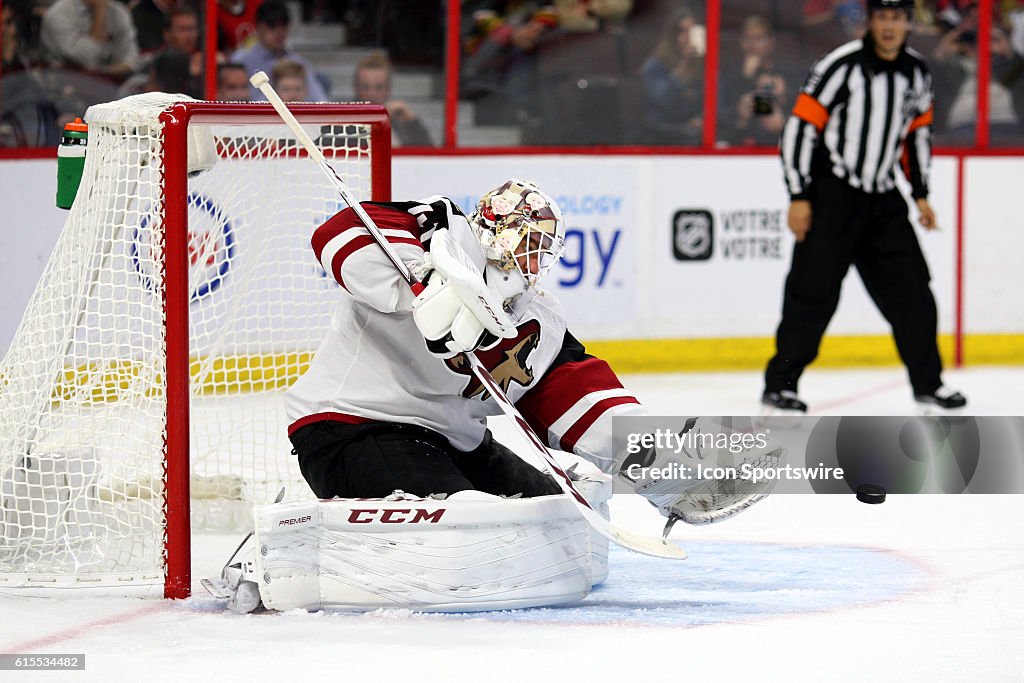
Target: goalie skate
x=242, y=594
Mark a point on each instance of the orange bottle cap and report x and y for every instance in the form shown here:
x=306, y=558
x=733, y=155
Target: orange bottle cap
x=77, y=125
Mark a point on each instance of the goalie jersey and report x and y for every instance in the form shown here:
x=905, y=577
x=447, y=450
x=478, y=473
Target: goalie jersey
x=374, y=366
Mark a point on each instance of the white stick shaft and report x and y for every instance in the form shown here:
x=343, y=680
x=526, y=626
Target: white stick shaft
x=259, y=80
x=640, y=544
x=647, y=546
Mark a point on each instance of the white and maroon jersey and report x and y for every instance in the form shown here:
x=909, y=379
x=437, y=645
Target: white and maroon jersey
x=374, y=366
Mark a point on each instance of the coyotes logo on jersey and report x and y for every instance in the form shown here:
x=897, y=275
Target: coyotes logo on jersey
x=507, y=361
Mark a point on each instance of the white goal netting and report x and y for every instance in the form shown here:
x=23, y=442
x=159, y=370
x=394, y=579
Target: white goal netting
x=83, y=399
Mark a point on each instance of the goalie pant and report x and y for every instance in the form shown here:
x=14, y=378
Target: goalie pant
x=407, y=419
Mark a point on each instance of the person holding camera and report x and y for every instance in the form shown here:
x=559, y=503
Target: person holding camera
x=865, y=108
x=673, y=80
x=753, y=92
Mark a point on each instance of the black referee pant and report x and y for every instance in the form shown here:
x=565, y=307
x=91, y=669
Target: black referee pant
x=874, y=233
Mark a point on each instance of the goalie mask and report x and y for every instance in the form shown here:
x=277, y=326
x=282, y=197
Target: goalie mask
x=520, y=229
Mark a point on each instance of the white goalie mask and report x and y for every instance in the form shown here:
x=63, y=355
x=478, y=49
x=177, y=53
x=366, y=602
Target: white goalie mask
x=520, y=229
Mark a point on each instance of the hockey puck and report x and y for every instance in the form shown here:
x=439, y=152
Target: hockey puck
x=870, y=494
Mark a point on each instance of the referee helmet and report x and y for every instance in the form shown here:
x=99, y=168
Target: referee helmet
x=905, y=5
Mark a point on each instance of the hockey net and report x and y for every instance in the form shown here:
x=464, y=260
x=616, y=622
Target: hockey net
x=154, y=353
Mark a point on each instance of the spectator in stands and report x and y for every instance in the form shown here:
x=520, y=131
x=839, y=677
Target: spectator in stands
x=181, y=30
x=150, y=18
x=96, y=35
x=1015, y=24
x=272, y=23
x=27, y=114
x=674, y=83
x=10, y=39
x=168, y=72
x=1015, y=29
x=232, y=83
x=236, y=23
x=755, y=92
x=955, y=70
x=181, y=33
x=500, y=61
x=289, y=80
x=180, y=36
x=951, y=13
x=826, y=23
x=372, y=83
x=587, y=16
x=21, y=35
x=19, y=45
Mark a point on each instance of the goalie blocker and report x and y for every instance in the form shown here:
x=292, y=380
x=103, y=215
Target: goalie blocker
x=469, y=552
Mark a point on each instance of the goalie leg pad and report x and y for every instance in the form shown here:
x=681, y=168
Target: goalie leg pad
x=471, y=552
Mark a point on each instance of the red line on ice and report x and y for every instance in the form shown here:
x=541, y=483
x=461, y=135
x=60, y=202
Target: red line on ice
x=43, y=642
x=853, y=398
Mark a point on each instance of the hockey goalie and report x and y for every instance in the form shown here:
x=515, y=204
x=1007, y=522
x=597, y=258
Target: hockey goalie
x=420, y=506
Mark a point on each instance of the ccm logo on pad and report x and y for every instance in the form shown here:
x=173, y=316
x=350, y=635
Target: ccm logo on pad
x=395, y=516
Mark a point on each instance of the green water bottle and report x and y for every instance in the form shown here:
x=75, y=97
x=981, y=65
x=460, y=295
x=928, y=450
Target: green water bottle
x=71, y=162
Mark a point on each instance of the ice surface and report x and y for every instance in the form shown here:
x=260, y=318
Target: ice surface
x=799, y=587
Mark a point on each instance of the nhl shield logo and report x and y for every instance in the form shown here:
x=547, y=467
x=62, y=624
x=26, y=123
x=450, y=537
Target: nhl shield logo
x=692, y=235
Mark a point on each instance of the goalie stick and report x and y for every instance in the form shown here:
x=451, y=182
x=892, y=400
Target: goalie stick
x=626, y=539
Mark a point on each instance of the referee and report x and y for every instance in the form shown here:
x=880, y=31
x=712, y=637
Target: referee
x=866, y=107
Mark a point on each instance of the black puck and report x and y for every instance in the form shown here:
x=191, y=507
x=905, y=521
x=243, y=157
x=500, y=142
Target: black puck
x=870, y=494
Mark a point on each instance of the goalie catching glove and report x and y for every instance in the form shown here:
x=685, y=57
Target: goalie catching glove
x=458, y=312
x=680, y=482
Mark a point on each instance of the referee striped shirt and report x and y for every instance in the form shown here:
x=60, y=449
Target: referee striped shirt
x=857, y=116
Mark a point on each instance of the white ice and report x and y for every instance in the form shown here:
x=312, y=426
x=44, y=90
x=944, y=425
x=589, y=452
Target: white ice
x=800, y=587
